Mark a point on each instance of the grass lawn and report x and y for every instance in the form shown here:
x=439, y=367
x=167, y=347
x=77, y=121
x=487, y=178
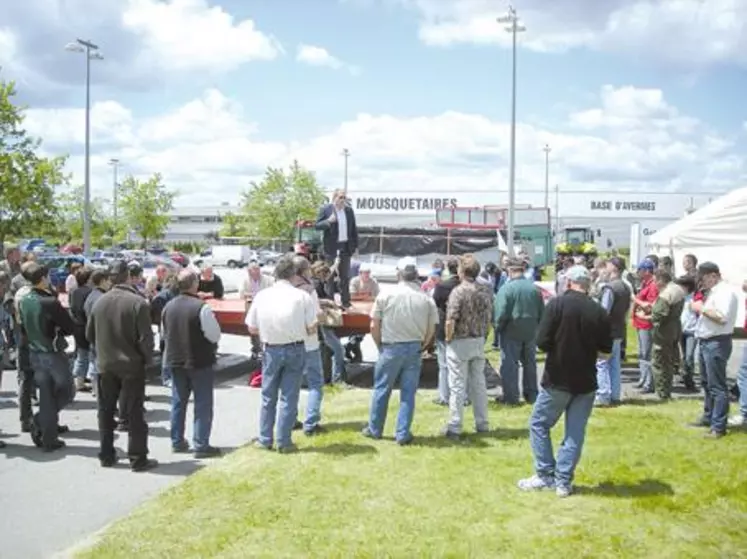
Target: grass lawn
x=648, y=486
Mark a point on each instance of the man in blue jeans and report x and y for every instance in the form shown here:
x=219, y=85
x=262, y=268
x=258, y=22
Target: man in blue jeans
x=574, y=332
x=191, y=334
x=615, y=300
x=312, y=370
x=403, y=323
x=518, y=310
x=282, y=316
x=45, y=323
x=714, y=331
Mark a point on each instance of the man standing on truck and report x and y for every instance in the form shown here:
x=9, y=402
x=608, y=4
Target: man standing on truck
x=339, y=239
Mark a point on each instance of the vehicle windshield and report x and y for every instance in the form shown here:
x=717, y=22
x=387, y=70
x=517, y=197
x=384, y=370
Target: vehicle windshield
x=576, y=237
x=310, y=235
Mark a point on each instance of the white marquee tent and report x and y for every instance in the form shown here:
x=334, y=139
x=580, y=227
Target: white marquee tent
x=717, y=233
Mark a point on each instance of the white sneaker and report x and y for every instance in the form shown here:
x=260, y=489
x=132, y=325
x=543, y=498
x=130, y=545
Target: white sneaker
x=563, y=491
x=738, y=421
x=535, y=483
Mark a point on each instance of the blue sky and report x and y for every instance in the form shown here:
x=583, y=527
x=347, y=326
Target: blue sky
x=196, y=101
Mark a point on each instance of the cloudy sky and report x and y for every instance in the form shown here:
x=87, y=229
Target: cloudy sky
x=631, y=95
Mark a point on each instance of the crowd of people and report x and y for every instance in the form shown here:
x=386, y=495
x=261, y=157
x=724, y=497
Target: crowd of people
x=684, y=324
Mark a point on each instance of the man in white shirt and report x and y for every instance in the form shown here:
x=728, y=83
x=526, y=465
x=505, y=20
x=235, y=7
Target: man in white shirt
x=283, y=317
x=403, y=323
x=254, y=282
x=714, y=331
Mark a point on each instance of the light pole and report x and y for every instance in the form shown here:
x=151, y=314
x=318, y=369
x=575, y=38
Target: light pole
x=90, y=51
x=547, y=149
x=511, y=21
x=346, y=155
x=115, y=167
x=557, y=213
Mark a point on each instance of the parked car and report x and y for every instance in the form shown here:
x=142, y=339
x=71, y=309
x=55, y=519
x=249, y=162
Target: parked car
x=151, y=261
x=180, y=258
x=232, y=256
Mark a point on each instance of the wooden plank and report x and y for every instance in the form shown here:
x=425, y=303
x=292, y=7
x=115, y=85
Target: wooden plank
x=230, y=314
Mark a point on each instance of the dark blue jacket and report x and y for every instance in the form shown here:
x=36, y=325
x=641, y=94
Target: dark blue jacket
x=330, y=230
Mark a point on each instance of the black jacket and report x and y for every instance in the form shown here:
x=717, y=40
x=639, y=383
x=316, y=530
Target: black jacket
x=330, y=230
x=119, y=327
x=573, y=331
x=78, y=298
x=441, y=298
x=214, y=286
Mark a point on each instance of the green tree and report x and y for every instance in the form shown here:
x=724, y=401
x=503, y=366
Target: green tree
x=70, y=217
x=27, y=181
x=233, y=225
x=145, y=207
x=272, y=206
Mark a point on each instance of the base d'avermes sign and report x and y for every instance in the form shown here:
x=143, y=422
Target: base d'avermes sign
x=622, y=206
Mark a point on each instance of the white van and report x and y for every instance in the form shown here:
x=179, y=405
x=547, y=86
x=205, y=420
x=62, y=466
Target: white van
x=231, y=256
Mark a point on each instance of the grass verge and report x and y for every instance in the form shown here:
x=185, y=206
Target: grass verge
x=648, y=486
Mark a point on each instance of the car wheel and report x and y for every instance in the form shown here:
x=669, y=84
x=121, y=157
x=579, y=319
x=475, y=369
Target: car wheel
x=231, y=264
x=198, y=263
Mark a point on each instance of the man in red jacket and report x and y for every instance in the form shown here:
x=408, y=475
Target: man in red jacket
x=641, y=317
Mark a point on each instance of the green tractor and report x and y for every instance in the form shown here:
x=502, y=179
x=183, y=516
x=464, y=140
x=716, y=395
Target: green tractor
x=577, y=241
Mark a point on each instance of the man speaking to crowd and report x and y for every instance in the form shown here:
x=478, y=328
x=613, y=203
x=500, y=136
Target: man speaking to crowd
x=340, y=238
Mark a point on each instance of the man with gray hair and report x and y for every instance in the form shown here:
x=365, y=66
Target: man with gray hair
x=283, y=317
x=313, y=365
x=191, y=334
x=254, y=282
x=403, y=324
x=574, y=332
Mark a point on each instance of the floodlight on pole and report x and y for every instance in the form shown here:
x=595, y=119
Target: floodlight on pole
x=346, y=155
x=90, y=50
x=511, y=21
x=115, y=187
x=547, y=149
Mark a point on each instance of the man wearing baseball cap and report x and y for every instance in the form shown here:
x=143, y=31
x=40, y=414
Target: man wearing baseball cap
x=642, y=305
x=574, y=332
x=403, y=323
x=714, y=331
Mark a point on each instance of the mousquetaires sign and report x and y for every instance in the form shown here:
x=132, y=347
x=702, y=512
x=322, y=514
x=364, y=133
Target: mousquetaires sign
x=402, y=203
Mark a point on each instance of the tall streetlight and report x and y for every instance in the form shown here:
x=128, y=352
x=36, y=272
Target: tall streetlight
x=91, y=53
x=512, y=25
x=547, y=149
x=557, y=212
x=346, y=155
x=115, y=167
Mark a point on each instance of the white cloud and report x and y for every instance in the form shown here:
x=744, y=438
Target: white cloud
x=191, y=34
x=319, y=56
x=7, y=46
x=706, y=32
x=209, y=150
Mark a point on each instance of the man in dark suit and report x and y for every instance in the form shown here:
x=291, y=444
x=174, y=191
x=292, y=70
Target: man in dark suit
x=340, y=238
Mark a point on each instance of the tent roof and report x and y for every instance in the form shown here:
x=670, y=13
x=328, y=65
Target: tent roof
x=722, y=222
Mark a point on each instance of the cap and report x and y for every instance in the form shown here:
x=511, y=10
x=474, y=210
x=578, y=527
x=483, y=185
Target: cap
x=646, y=265
x=617, y=262
x=578, y=273
x=406, y=262
x=515, y=264
x=365, y=268
x=708, y=268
